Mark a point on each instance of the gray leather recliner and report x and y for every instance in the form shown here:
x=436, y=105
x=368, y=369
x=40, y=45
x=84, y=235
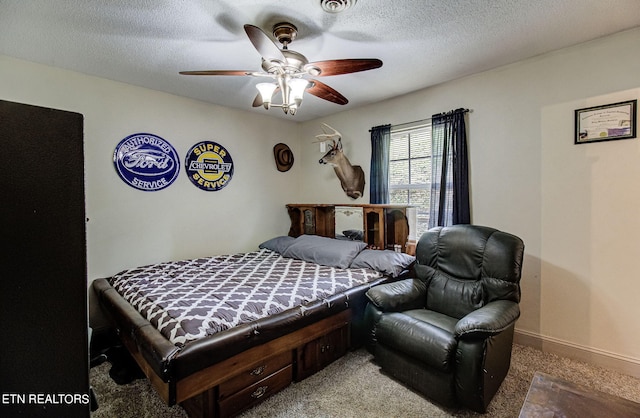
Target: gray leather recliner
x=448, y=332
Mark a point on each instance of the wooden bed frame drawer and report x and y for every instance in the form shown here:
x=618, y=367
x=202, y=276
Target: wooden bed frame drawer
x=317, y=354
x=255, y=393
x=254, y=374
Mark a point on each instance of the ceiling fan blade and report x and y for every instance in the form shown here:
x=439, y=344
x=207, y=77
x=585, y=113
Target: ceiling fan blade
x=257, y=102
x=265, y=46
x=346, y=66
x=217, y=72
x=325, y=92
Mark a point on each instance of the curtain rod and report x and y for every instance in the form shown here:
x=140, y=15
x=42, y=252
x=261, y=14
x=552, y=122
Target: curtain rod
x=416, y=122
x=451, y=112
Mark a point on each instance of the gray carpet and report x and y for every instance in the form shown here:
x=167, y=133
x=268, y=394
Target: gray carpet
x=353, y=386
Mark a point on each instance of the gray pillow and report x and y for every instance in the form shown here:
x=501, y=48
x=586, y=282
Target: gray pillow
x=277, y=244
x=385, y=261
x=325, y=251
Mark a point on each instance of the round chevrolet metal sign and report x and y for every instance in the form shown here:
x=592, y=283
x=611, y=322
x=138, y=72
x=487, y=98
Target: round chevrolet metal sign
x=146, y=162
x=209, y=166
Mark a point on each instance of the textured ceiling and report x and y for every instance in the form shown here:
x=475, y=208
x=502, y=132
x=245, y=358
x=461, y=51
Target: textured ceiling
x=421, y=42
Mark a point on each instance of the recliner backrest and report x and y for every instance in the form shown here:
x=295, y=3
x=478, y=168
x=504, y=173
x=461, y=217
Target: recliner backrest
x=467, y=266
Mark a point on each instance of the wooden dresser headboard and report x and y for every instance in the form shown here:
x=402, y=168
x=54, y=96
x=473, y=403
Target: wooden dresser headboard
x=384, y=226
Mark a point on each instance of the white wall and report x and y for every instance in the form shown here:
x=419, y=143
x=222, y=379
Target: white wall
x=591, y=230
x=575, y=206
x=129, y=227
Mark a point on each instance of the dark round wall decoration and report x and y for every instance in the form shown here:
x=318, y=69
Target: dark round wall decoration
x=283, y=156
x=146, y=162
x=209, y=166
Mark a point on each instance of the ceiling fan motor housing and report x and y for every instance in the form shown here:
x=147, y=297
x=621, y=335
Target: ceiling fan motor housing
x=294, y=63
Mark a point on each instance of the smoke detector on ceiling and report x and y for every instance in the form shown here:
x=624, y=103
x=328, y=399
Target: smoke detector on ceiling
x=336, y=6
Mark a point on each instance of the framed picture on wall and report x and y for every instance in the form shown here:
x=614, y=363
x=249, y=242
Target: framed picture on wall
x=606, y=122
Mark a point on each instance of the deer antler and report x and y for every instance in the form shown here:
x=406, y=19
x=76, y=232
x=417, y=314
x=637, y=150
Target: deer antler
x=329, y=134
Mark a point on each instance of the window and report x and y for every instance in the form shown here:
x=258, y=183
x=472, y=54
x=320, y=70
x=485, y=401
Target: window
x=410, y=171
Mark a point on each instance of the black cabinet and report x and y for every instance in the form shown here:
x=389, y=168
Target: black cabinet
x=43, y=282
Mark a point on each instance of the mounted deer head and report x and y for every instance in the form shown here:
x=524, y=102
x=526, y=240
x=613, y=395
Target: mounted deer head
x=351, y=176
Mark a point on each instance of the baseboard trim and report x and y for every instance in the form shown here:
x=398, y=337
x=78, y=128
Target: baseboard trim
x=622, y=364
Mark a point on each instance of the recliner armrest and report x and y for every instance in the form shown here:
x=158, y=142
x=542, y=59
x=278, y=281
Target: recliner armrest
x=491, y=319
x=398, y=296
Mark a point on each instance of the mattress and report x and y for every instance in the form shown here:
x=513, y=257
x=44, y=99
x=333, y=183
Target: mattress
x=188, y=300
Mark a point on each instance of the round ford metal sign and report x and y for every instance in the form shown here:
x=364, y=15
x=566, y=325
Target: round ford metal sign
x=209, y=166
x=146, y=162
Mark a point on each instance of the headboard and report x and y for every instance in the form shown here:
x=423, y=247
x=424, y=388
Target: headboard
x=382, y=226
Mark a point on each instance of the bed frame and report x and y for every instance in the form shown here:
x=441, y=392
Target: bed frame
x=226, y=373
x=229, y=372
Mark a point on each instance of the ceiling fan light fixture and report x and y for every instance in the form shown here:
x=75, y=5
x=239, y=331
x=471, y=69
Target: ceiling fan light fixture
x=297, y=87
x=266, y=92
x=336, y=6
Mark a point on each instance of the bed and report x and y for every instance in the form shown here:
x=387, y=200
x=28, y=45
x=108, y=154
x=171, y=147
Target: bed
x=219, y=334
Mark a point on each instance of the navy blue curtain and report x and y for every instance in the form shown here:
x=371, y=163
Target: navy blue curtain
x=450, y=173
x=379, y=176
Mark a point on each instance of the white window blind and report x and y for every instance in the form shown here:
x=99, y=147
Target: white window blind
x=410, y=171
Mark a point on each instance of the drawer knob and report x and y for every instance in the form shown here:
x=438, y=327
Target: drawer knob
x=258, y=371
x=258, y=393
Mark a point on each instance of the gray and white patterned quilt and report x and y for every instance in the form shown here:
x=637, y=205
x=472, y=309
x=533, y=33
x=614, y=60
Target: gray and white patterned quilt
x=190, y=299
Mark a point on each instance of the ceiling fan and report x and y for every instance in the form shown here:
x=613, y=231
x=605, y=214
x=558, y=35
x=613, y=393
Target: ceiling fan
x=290, y=70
